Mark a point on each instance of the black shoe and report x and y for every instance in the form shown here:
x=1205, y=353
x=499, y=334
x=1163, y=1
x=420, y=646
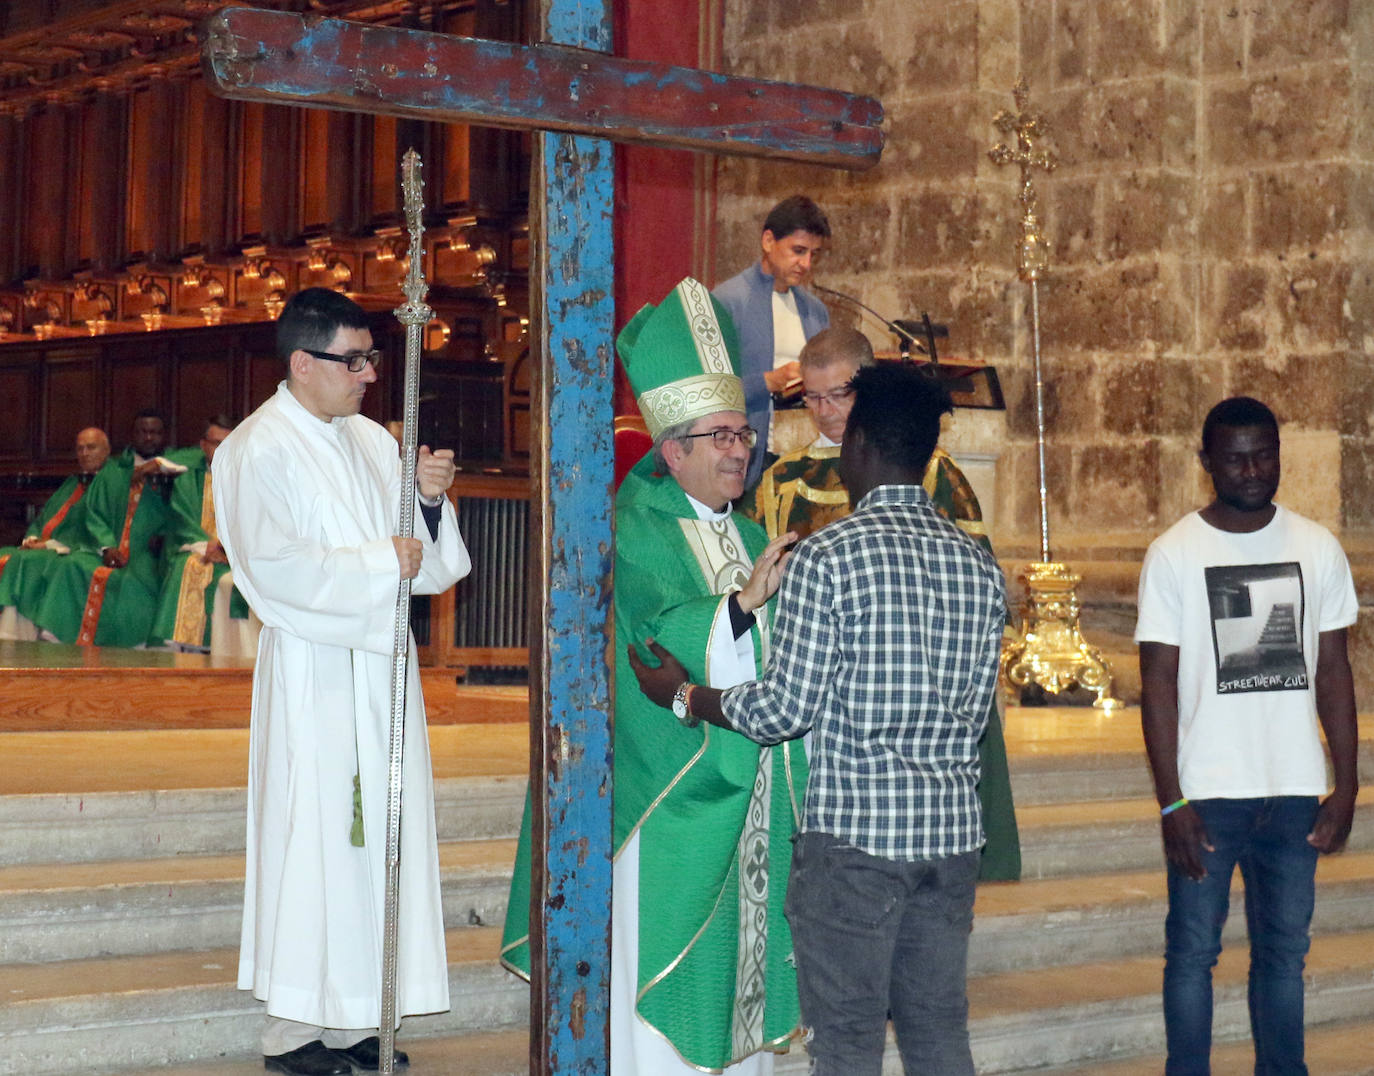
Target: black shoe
x=312, y=1059
x=367, y=1055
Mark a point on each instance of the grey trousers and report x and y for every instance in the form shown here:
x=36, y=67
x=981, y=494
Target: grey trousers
x=876, y=938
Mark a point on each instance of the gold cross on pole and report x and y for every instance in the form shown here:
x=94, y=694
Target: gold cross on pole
x=1032, y=250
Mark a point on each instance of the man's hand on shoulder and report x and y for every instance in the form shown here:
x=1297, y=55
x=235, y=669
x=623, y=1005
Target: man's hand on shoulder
x=409, y=552
x=1185, y=838
x=434, y=472
x=1334, y=819
x=767, y=574
x=659, y=682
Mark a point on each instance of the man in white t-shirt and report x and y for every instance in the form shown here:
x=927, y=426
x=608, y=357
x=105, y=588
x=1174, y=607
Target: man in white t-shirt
x=1244, y=608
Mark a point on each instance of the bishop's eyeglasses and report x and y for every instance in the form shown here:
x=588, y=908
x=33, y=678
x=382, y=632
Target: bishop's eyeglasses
x=355, y=361
x=725, y=438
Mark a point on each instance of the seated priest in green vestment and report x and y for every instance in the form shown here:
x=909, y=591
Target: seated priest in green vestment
x=801, y=491
x=195, y=560
x=701, y=956
x=59, y=527
x=105, y=593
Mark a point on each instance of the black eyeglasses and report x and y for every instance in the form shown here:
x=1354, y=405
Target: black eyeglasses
x=834, y=397
x=724, y=438
x=355, y=362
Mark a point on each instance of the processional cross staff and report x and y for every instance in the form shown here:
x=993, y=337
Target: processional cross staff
x=584, y=98
x=1051, y=651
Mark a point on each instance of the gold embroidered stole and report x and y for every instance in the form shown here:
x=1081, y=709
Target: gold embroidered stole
x=725, y=565
x=197, y=575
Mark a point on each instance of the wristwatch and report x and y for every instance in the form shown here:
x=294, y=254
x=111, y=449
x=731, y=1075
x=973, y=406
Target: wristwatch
x=680, y=710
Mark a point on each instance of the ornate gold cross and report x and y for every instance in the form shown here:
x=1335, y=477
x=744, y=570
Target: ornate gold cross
x=1032, y=250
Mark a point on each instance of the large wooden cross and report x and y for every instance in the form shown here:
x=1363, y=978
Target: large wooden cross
x=566, y=85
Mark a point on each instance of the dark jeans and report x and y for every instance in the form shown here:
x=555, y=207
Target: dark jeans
x=876, y=937
x=1268, y=839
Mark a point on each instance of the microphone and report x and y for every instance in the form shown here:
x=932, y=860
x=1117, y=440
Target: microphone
x=905, y=331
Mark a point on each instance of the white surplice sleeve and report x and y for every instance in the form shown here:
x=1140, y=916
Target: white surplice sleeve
x=273, y=512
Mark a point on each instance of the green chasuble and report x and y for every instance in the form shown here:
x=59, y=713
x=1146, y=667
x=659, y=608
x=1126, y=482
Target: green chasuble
x=22, y=571
x=715, y=812
x=802, y=491
x=183, y=590
x=120, y=512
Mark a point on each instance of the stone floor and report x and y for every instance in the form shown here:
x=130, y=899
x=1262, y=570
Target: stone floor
x=1069, y=953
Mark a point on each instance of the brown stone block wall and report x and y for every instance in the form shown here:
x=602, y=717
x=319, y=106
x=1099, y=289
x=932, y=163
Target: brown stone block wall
x=1284, y=116
x=973, y=304
x=1155, y=397
x=1115, y=482
x=1209, y=222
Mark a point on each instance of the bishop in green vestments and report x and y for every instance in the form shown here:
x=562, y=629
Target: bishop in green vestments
x=701, y=977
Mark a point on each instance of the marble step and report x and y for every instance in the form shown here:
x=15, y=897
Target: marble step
x=481, y=1053
x=1097, y=775
x=1083, y=1014
x=1060, y=776
x=76, y=911
x=68, y=828
x=145, y=1012
x=1059, y=839
x=1075, y=1022
x=72, y=911
x=1332, y=1050
x=1059, y=921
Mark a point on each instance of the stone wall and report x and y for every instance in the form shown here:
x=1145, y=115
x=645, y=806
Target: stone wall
x=1210, y=223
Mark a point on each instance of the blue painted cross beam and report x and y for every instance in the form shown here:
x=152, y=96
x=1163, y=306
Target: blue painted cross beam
x=285, y=58
x=576, y=99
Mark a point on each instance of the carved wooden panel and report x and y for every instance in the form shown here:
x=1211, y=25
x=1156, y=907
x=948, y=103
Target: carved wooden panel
x=71, y=399
x=18, y=413
x=151, y=217
x=264, y=373
x=12, y=139
x=135, y=379
x=315, y=146
x=45, y=203
x=250, y=130
x=204, y=388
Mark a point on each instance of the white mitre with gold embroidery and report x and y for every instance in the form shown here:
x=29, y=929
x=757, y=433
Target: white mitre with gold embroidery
x=681, y=358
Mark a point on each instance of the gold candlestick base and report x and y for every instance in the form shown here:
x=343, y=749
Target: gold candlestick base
x=1052, y=652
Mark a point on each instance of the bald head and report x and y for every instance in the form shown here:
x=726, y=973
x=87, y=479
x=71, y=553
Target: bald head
x=837, y=344
x=92, y=449
x=829, y=362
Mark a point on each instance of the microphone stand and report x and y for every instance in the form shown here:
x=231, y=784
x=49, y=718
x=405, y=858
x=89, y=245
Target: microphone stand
x=907, y=338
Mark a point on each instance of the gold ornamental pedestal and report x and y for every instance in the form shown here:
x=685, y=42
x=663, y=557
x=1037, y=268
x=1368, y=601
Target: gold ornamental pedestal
x=1051, y=651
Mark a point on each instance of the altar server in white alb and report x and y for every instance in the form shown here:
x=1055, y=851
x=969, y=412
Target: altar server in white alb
x=307, y=494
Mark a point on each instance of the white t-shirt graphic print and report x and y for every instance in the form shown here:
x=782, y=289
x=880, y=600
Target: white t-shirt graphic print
x=1257, y=616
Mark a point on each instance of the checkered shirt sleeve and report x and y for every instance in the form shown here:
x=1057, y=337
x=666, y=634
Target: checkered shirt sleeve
x=887, y=636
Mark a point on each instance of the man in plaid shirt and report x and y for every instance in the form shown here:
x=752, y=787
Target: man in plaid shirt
x=888, y=629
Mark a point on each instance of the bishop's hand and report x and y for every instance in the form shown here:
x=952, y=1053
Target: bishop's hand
x=767, y=574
